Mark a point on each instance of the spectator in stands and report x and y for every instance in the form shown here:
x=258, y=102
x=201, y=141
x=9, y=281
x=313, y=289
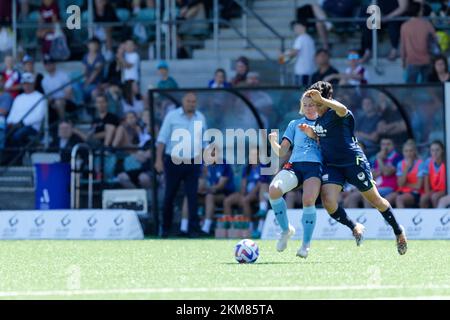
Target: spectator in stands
x=129, y=61
x=132, y=100
x=28, y=66
x=440, y=72
x=415, y=35
x=220, y=80
x=254, y=186
x=93, y=63
x=66, y=140
x=242, y=68
x=103, y=127
x=355, y=74
x=166, y=81
x=408, y=180
x=384, y=169
x=11, y=76
x=128, y=132
x=26, y=115
x=180, y=167
x=434, y=176
x=389, y=9
x=192, y=10
x=49, y=13
x=304, y=50
x=325, y=71
x=137, y=169
x=61, y=101
x=6, y=98
x=367, y=121
x=392, y=124
x=259, y=98
x=315, y=11
x=104, y=12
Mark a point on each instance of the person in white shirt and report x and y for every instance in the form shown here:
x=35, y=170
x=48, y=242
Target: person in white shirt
x=304, y=50
x=26, y=114
x=129, y=61
x=61, y=100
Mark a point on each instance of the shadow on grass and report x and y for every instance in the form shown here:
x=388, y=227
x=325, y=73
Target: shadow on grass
x=299, y=262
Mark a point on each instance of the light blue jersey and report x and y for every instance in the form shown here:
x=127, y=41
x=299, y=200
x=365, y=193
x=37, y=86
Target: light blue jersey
x=304, y=149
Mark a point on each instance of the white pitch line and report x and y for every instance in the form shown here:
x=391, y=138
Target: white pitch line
x=208, y=290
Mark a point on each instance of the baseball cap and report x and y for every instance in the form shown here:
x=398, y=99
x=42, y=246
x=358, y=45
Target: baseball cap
x=27, y=58
x=353, y=56
x=162, y=65
x=27, y=77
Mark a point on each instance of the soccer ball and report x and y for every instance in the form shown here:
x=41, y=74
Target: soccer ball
x=246, y=251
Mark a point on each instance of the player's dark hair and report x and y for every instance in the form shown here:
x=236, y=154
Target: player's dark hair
x=322, y=50
x=325, y=88
x=439, y=143
x=221, y=71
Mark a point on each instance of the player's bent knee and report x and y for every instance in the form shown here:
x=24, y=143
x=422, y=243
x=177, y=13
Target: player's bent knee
x=275, y=192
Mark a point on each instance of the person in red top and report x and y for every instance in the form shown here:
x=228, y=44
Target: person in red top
x=11, y=77
x=408, y=180
x=49, y=13
x=434, y=176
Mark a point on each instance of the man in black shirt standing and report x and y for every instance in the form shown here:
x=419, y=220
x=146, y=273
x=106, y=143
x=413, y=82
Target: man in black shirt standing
x=325, y=71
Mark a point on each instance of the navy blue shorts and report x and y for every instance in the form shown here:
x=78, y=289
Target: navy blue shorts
x=304, y=170
x=358, y=175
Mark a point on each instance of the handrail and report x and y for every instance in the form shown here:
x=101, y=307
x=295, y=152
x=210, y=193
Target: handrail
x=75, y=176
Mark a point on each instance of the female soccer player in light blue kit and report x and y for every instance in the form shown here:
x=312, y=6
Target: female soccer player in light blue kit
x=304, y=167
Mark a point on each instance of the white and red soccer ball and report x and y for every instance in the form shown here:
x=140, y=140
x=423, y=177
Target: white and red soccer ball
x=246, y=251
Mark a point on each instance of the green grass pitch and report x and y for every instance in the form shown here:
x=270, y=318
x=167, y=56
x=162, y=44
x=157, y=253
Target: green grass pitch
x=206, y=269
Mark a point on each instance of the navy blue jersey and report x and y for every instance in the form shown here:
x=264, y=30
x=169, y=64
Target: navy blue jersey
x=253, y=175
x=337, y=139
x=217, y=171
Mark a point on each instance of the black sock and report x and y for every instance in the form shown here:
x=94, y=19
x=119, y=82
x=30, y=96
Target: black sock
x=388, y=215
x=341, y=216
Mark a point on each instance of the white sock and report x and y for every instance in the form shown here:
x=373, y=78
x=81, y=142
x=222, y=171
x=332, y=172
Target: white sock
x=184, y=225
x=263, y=205
x=260, y=225
x=207, y=225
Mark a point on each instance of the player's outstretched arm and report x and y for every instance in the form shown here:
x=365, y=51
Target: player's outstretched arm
x=280, y=149
x=315, y=95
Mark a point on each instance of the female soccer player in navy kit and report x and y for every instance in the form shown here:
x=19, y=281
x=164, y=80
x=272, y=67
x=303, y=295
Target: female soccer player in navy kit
x=344, y=161
x=304, y=167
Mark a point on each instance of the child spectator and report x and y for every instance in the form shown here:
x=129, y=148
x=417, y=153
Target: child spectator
x=220, y=80
x=11, y=77
x=434, y=176
x=129, y=61
x=304, y=50
x=166, y=82
x=408, y=180
x=242, y=68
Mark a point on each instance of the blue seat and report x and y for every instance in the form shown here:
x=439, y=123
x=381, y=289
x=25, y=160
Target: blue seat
x=144, y=15
x=123, y=14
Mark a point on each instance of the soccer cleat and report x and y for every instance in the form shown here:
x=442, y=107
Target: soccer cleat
x=402, y=245
x=358, y=233
x=284, y=237
x=303, y=251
